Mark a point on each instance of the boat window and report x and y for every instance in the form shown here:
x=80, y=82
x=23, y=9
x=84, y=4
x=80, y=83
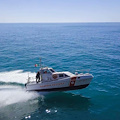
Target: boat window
x=46, y=71
x=52, y=70
x=66, y=75
x=61, y=75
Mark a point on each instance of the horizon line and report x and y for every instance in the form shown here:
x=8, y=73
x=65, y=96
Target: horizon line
x=50, y=22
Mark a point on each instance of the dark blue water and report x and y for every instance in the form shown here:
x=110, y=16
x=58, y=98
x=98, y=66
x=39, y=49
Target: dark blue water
x=66, y=46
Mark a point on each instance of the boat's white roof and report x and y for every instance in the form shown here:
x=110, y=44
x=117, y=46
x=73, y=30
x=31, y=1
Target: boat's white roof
x=44, y=68
x=67, y=73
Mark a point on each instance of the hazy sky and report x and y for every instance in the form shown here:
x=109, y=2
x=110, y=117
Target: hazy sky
x=37, y=11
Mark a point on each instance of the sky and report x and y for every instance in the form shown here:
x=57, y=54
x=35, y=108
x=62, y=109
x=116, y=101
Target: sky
x=55, y=11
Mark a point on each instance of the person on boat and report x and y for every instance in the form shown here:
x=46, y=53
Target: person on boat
x=38, y=77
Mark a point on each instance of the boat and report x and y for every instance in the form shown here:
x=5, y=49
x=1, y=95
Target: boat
x=48, y=80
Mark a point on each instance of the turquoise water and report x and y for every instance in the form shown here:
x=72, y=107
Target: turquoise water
x=65, y=46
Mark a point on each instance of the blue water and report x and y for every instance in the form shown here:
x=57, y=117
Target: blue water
x=65, y=47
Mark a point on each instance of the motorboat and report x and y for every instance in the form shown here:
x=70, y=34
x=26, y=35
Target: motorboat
x=48, y=80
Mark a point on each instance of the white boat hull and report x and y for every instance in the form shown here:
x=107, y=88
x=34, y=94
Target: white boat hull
x=69, y=83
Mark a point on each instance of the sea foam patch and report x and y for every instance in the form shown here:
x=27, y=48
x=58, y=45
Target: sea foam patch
x=17, y=76
x=11, y=94
x=14, y=95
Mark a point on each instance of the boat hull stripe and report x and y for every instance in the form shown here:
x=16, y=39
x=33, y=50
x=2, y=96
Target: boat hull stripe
x=62, y=89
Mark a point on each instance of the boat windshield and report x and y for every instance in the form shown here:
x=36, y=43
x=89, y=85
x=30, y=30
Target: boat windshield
x=52, y=70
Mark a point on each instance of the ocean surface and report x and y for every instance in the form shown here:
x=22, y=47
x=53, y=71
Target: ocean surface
x=91, y=47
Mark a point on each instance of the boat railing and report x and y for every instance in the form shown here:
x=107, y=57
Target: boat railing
x=31, y=79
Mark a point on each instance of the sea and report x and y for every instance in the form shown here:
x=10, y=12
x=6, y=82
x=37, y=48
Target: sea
x=82, y=47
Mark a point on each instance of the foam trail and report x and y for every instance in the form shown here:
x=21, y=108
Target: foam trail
x=17, y=76
x=13, y=94
x=16, y=103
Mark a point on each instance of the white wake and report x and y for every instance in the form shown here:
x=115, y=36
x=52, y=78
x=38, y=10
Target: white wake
x=17, y=76
x=11, y=94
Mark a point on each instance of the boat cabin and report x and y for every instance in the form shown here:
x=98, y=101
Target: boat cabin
x=46, y=70
x=49, y=74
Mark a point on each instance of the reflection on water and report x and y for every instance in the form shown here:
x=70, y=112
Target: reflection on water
x=67, y=100
x=59, y=103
